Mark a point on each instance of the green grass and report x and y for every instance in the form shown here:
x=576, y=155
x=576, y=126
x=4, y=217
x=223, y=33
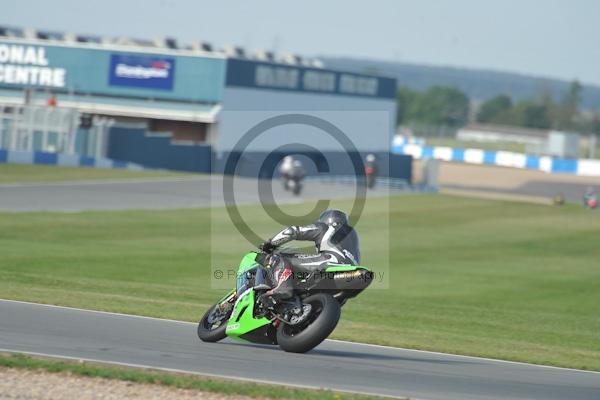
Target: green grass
x=181, y=381
x=489, y=278
x=19, y=173
x=452, y=142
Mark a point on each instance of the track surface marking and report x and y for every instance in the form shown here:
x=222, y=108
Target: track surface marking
x=173, y=345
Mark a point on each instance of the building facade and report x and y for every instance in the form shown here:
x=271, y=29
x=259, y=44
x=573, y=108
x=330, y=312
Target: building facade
x=179, y=108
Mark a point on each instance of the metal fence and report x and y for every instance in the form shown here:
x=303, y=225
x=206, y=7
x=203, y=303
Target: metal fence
x=53, y=130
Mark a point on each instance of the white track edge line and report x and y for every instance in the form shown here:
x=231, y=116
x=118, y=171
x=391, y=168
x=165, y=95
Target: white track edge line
x=466, y=356
x=329, y=340
x=99, y=311
x=208, y=375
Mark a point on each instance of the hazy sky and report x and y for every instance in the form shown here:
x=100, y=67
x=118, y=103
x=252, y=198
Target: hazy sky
x=553, y=38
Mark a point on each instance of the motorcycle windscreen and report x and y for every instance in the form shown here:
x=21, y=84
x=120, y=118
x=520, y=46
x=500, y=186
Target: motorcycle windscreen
x=245, y=280
x=252, y=278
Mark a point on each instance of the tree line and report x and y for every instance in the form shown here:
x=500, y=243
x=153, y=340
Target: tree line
x=449, y=106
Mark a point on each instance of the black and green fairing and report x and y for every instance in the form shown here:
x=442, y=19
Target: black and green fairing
x=242, y=324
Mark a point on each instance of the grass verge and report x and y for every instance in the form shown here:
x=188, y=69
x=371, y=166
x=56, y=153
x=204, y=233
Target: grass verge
x=19, y=173
x=181, y=381
x=478, y=277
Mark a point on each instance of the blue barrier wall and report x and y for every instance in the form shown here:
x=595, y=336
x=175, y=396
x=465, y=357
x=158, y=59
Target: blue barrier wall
x=64, y=160
x=134, y=145
x=583, y=167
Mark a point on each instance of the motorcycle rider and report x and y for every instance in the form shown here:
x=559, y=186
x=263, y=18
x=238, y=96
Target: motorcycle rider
x=286, y=166
x=336, y=242
x=371, y=170
x=297, y=171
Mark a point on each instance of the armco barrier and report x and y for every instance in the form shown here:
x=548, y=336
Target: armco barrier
x=66, y=160
x=503, y=158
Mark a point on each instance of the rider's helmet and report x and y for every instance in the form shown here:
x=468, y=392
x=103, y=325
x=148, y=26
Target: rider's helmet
x=343, y=237
x=335, y=218
x=370, y=157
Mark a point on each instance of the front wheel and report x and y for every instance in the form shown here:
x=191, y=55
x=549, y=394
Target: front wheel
x=371, y=182
x=213, y=324
x=297, y=188
x=322, y=320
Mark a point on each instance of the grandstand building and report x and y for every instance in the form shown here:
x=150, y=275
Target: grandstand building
x=160, y=104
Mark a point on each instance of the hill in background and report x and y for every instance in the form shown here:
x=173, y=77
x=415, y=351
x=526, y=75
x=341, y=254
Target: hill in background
x=478, y=84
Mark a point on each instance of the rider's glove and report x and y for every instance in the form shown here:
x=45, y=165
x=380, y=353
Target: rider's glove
x=267, y=246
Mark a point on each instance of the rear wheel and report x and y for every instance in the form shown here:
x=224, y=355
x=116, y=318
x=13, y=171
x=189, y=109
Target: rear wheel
x=322, y=320
x=213, y=324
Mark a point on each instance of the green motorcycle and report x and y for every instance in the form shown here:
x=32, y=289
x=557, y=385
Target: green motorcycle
x=298, y=324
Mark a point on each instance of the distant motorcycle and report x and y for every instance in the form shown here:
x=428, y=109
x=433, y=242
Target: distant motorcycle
x=592, y=203
x=297, y=325
x=293, y=184
x=293, y=177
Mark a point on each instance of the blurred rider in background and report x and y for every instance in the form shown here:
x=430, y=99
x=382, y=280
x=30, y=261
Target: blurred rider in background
x=590, y=198
x=371, y=170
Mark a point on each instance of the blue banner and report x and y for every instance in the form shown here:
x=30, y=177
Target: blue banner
x=264, y=75
x=142, y=71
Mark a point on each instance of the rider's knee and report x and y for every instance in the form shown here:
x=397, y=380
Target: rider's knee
x=284, y=291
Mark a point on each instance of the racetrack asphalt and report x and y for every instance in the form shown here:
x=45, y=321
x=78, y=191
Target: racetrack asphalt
x=155, y=193
x=571, y=191
x=173, y=345
x=207, y=191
